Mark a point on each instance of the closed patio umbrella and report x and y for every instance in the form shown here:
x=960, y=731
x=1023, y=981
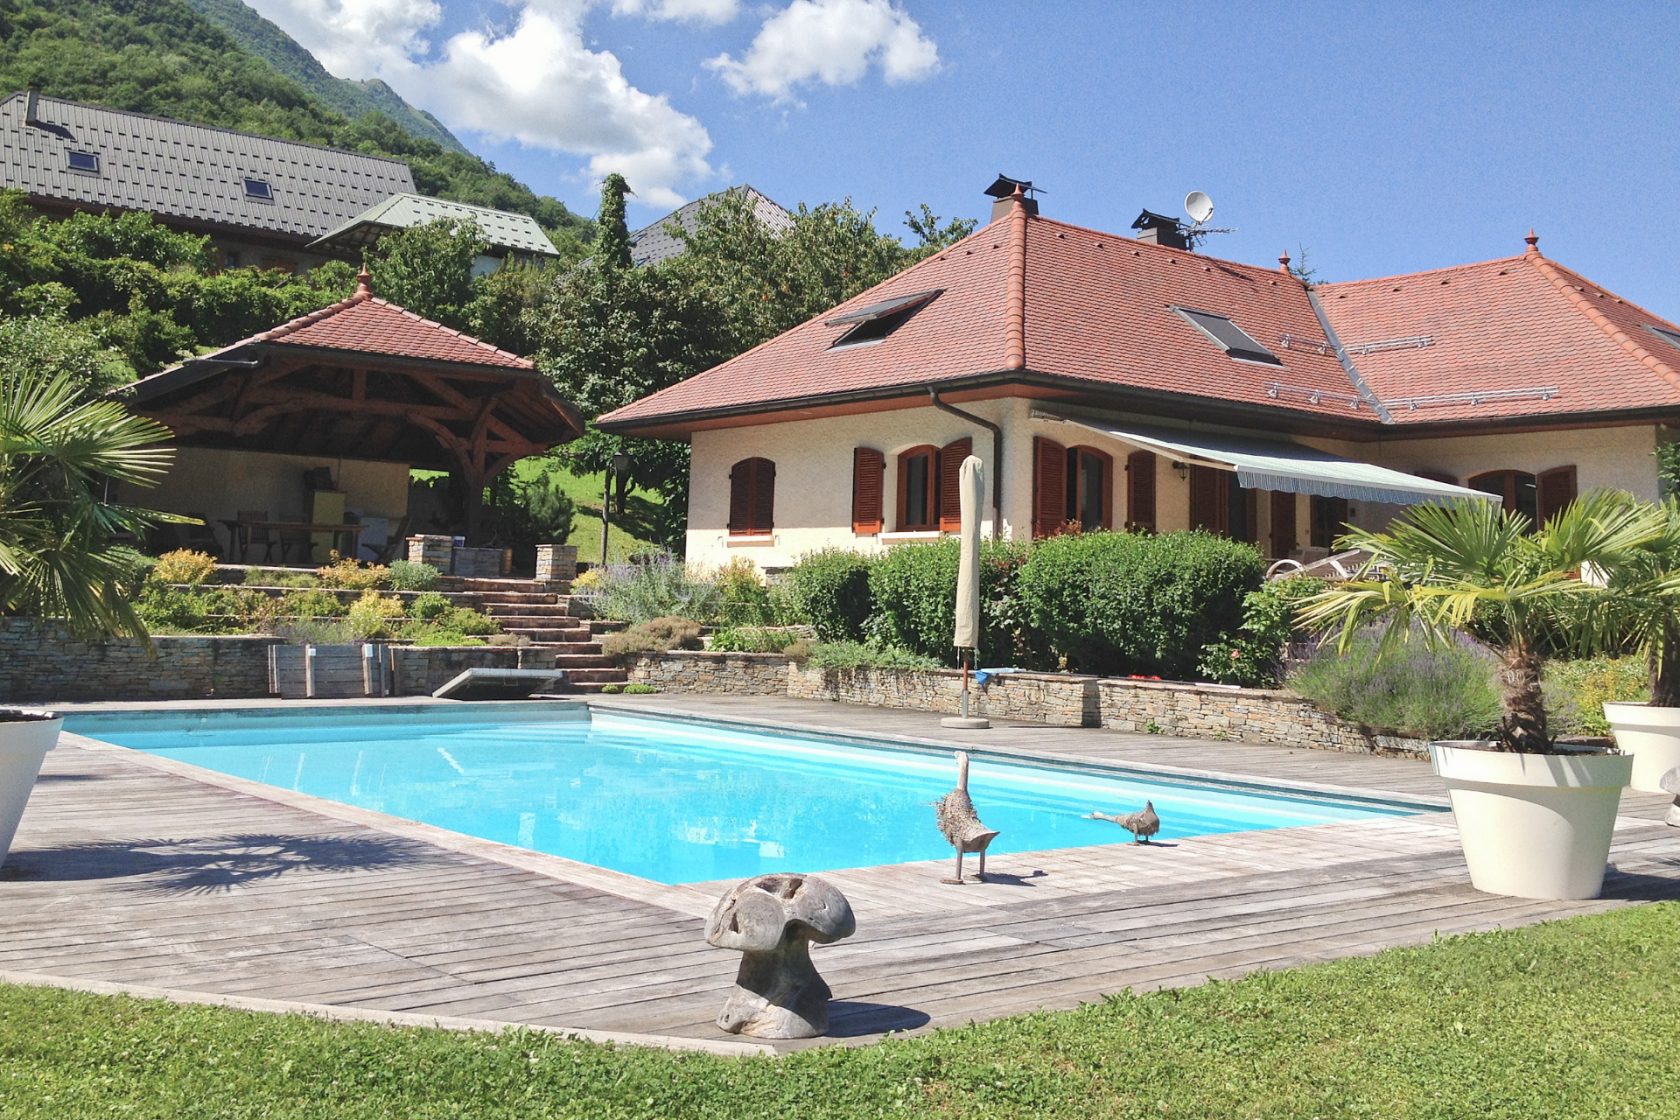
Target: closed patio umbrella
x=966, y=638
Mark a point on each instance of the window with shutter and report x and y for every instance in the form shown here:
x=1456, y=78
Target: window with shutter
x=1516, y=489
x=1329, y=521
x=1049, y=487
x=1209, y=500
x=1140, y=491
x=951, y=458
x=1283, y=524
x=1554, y=489
x=1089, y=488
x=752, y=497
x=869, y=469
x=918, y=490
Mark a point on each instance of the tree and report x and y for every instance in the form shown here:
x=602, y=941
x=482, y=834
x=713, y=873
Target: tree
x=1474, y=567
x=428, y=269
x=612, y=233
x=51, y=342
x=931, y=236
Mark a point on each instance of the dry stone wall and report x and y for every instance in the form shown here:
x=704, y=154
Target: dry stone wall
x=1050, y=698
x=44, y=663
x=722, y=674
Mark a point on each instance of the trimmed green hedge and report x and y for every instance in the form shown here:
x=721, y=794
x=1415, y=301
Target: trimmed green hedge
x=829, y=589
x=914, y=589
x=1118, y=603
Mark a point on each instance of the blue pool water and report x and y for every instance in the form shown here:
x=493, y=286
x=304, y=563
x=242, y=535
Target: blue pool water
x=681, y=801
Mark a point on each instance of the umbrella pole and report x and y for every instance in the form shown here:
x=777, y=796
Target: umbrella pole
x=965, y=685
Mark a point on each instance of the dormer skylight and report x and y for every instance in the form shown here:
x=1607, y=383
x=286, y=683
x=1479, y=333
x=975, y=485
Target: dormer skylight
x=85, y=162
x=1668, y=336
x=258, y=189
x=877, y=320
x=1229, y=337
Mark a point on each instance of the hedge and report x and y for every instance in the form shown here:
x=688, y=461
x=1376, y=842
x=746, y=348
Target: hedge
x=1119, y=603
x=829, y=589
x=914, y=590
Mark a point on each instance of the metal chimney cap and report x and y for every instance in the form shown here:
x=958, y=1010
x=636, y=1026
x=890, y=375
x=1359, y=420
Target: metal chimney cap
x=1005, y=186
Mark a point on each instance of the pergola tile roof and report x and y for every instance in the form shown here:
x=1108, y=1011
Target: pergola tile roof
x=517, y=233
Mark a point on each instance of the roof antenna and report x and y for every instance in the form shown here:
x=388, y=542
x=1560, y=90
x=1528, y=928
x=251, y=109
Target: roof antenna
x=1200, y=208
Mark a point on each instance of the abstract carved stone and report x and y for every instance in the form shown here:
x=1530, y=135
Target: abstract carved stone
x=1142, y=824
x=1671, y=784
x=960, y=824
x=772, y=920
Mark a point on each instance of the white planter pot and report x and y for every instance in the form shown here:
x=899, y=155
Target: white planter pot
x=1652, y=736
x=1533, y=825
x=25, y=738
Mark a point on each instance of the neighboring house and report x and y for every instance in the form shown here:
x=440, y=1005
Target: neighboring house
x=264, y=203
x=507, y=236
x=1112, y=382
x=661, y=241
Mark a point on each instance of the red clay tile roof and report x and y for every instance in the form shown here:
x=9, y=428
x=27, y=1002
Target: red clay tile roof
x=364, y=323
x=1093, y=308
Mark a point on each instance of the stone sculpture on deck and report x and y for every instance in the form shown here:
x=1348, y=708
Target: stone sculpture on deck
x=772, y=920
x=960, y=824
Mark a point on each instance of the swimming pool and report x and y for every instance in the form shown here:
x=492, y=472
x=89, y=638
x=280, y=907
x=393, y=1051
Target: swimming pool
x=678, y=800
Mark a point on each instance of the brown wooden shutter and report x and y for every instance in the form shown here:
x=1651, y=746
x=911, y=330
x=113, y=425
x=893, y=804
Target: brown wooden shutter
x=1437, y=476
x=1208, y=499
x=1251, y=514
x=1049, y=487
x=1140, y=491
x=1554, y=489
x=868, y=477
x=752, y=496
x=1283, y=524
x=951, y=458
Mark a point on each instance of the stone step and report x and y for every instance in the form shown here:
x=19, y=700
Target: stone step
x=528, y=586
x=597, y=676
x=606, y=626
x=587, y=687
x=537, y=621
x=527, y=610
x=534, y=598
x=583, y=661
x=546, y=635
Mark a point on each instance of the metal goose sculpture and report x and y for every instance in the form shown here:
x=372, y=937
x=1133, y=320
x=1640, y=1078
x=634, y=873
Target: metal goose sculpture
x=1142, y=824
x=961, y=825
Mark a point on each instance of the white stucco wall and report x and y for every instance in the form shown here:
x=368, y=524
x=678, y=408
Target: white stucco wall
x=814, y=473
x=218, y=484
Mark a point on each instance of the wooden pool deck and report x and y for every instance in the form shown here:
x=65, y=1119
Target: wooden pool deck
x=141, y=873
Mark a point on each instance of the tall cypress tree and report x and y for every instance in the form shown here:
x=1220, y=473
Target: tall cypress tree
x=612, y=235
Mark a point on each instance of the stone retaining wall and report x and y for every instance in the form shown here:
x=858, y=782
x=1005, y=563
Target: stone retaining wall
x=722, y=674
x=1056, y=699
x=43, y=663
x=1249, y=715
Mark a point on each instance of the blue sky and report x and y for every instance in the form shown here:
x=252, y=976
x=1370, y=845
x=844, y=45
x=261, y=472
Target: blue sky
x=1379, y=138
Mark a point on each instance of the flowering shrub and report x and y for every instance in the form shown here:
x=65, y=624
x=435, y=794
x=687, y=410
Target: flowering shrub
x=1430, y=693
x=1252, y=654
x=183, y=566
x=348, y=573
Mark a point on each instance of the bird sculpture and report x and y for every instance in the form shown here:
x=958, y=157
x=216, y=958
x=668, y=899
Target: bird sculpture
x=1671, y=783
x=1142, y=824
x=961, y=825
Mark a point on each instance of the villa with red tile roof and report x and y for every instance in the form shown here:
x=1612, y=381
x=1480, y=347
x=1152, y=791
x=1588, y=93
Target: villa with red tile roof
x=1118, y=382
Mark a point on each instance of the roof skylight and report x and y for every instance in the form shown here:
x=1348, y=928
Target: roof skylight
x=87, y=162
x=1230, y=338
x=1668, y=336
x=258, y=189
x=877, y=320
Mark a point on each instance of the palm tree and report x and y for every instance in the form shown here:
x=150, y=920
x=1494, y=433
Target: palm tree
x=60, y=555
x=1474, y=567
x=1641, y=609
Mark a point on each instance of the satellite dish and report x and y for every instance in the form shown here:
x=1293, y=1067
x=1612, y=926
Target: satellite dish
x=1199, y=206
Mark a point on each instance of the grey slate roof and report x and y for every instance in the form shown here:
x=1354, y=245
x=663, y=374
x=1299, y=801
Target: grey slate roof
x=191, y=172
x=517, y=233
x=656, y=242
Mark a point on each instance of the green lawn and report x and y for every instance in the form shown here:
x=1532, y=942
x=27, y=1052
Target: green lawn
x=624, y=535
x=1577, y=1019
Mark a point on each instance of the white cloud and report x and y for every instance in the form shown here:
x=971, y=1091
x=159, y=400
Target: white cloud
x=537, y=84
x=832, y=42
x=680, y=11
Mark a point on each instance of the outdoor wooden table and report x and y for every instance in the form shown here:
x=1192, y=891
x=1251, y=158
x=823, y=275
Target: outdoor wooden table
x=350, y=531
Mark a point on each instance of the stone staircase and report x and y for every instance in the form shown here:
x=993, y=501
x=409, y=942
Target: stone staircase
x=544, y=618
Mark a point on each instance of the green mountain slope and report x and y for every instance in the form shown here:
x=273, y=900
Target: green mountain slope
x=165, y=58
x=352, y=98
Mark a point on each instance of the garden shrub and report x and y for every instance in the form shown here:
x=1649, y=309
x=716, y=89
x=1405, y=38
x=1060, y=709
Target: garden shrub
x=313, y=603
x=171, y=610
x=742, y=597
x=183, y=566
x=352, y=575
x=429, y=607
x=757, y=639
x=1131, y=603
x=375, y=616
x=829, y=589
x=407, y=575
x=862, y=655
x=914, y=591
x=1576, y=691
x=647, y=588
x=611, y=689
x=298, y=580
x=656, y=635
x=1425, y=691
x=636, y=688
x=1252, y=655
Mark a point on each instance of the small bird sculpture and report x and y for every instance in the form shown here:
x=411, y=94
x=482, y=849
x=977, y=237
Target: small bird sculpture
x=1671, y=783
x=960, y=824
x=1142, y=824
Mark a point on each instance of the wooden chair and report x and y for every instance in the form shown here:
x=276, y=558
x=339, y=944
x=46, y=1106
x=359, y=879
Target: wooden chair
x=260, y=535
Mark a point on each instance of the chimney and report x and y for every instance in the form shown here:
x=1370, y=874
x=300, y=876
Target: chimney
x=30, y=107
x=1159, y=229
x=1003, y=193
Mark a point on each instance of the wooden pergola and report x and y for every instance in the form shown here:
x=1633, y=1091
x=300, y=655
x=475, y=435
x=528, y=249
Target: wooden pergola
x=366, y=379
